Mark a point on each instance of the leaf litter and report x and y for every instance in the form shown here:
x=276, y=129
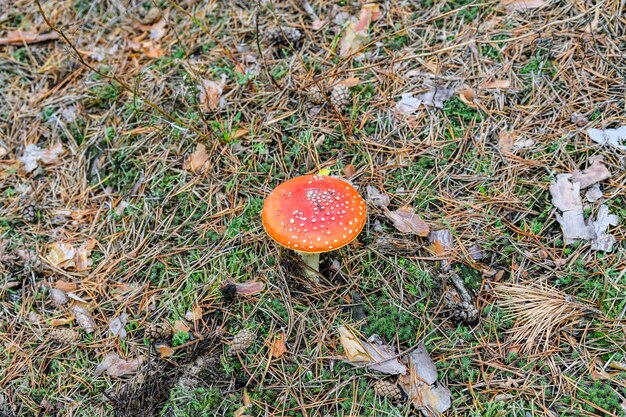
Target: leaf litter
x=612, y=137
x=565, y=191
x=373, y=354
x=33, y=155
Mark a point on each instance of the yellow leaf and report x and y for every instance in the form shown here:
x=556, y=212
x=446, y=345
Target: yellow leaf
x=324, y=171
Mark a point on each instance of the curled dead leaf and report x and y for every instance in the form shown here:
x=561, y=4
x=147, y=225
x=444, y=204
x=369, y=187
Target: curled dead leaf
x=33, y=154
x=356, y=34
x=197, y=162
x=19, y=37
x=117, y=367
x=352, y=346
x=210, y=97
x=406, y=221
x=84, y=318
x=195, y=314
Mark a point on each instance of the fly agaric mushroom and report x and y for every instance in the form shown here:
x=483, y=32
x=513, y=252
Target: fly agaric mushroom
x=312, y=214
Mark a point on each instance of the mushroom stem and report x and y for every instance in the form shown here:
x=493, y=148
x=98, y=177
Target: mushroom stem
x=312, y=260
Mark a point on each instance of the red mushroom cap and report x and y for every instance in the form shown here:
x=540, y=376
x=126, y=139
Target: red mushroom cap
x=314, y=213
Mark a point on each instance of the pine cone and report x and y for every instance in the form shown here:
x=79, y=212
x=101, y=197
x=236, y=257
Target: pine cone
x=64, y=336
x=464, y=312
x=340, y=97
x=284, y=35
x=316, y=95
x=158, y=331
x=29, y=213
x=385, y=388
x=242, y=341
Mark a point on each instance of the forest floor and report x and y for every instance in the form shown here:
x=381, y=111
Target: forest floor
x=138, y=140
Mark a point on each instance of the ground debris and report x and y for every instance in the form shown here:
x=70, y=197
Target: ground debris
x=566, y=197
x=373, y=354
x=612, y=137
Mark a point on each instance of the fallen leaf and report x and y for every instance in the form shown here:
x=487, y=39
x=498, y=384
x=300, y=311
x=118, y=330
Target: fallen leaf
x=195, y=314
x=348, y=82
x=613, y=137
x=61, y=322
x=61, y=255
x=523, y=4
x=165, y=350
x=117, y=367
x=505, y=141
x=18, y=37
x=210, y=97
x=116, y=326
x=419, y=384
x=523, y=143
x=278, y=347
x=84, y=319
x=3, y=152
x=383, y=357
x=58, y=297
x=158, y=29
x=250, y=287
x=406, y=221
x=179, y=326
x=65, y=286
x=197, y=162
x=356, y=34
x=352, y=346
x=408, y=104
x=349, y=171
x=496, y=84
x=467, y=96
x=152, y=49
x=373, y=354
x=593, y=174
x=83, y=253
x=441, y=243
x=33, y=154
x=376, y=198
x=436, y=96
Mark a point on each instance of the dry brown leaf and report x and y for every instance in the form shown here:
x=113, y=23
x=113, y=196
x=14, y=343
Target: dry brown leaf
x=376, y=197
x=158, y=29
x=33, y=154
x=505, y=141
x=152, y=49
x=58, y=297
x=195, y=314
x=352, y=346
x=349, y=82
x=356, y=34
x=467, y=96
x=65, y=286
x=83, y=253
x=61, y=322
x=18, y=37
x=496, y=84
x=278, y=347
x=165, y=350
x=84, y=319
x=406, y=221
x=197, y=162
x=210, y=97
x=117, y=367
x=250, y=287
x=179, y=326
x=61, y=255
x=3, y=152
x=348, y=171
x=523, y=4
